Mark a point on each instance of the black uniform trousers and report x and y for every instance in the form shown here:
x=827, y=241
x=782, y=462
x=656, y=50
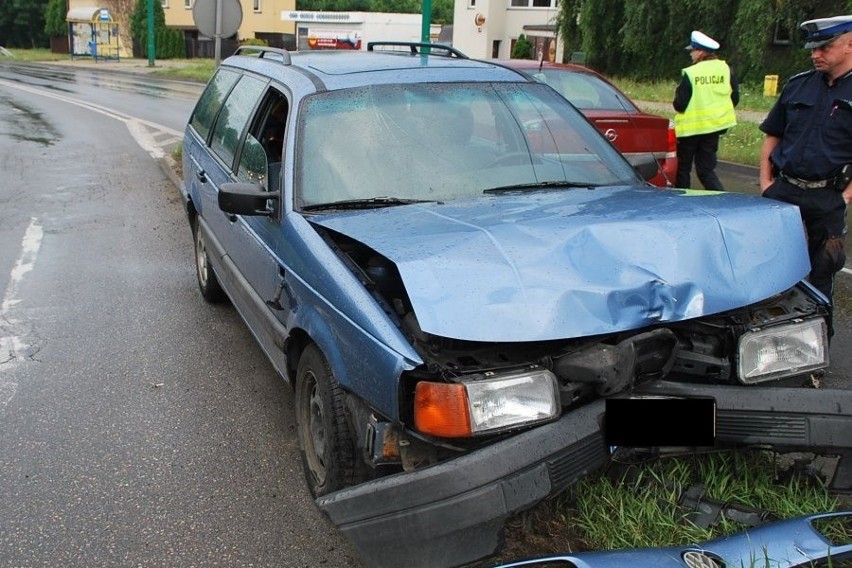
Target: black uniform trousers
x=824, y=214
x=701, y=149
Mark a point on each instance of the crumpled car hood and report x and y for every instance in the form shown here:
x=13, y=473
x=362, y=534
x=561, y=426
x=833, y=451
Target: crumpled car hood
x=555, y=265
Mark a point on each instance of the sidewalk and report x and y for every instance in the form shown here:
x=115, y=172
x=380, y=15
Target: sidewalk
x=129, y=65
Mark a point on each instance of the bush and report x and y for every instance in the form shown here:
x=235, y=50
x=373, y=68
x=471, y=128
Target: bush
x=523, y=48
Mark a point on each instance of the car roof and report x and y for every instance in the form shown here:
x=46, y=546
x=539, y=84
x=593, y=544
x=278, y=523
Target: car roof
x=338, y=69
x=532, y=64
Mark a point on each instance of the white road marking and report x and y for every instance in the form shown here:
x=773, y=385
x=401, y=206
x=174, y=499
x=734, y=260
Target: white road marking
x=13, y=342
x=143, y=131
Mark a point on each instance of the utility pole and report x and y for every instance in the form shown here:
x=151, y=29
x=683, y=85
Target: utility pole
x=426, y=23
x=217, y=39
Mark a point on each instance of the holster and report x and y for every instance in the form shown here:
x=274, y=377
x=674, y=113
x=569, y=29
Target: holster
x=842, y=179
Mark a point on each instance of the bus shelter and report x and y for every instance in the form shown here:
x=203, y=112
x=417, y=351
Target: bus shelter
x=93, y=33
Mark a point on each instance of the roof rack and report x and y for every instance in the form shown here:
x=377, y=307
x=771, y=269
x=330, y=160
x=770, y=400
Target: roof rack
x=425, y=48
x=262, y=52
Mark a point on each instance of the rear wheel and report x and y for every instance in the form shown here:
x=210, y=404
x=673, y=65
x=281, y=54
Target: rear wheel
x=328, y=452
x=207, y=281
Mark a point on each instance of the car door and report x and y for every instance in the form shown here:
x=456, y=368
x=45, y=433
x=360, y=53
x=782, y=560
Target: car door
x=258, y=239
x=236, y=152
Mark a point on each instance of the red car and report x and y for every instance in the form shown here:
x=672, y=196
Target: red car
x=646, y=140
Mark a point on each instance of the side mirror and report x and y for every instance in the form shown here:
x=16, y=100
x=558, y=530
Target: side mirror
x=246, y=199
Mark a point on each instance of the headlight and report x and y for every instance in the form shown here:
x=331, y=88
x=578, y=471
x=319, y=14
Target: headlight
x=472, y=407
x=782, y=351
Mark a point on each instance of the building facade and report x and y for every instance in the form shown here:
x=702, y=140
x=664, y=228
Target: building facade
x=490, y=28
x=481, y=28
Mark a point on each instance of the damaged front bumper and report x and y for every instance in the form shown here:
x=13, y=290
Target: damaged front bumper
x=452, y=513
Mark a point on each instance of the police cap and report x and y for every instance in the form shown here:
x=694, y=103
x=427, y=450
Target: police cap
x=821, y=31
x=700, y=40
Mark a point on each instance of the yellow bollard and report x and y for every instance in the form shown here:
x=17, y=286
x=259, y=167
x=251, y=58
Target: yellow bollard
x=770, y=85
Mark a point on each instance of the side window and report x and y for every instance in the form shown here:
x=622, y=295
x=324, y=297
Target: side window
x=253, y=163
x=211, y=101
x=234, y=116
x=267, y=134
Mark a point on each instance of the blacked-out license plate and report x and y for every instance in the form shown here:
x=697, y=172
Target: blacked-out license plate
x=660, y=421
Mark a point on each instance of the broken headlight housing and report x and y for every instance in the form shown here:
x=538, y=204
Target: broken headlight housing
x=783, y=351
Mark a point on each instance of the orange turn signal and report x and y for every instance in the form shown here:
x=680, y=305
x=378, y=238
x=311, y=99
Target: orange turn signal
x=441, y=409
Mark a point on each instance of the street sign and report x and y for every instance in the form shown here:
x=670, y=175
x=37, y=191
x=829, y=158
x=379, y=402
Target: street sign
x=217, y=19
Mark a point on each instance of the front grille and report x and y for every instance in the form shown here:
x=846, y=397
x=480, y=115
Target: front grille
x=576, y=461
x=753, y=427
x=698, y=559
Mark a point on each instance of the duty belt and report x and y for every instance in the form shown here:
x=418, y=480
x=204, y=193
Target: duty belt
x=807, y=184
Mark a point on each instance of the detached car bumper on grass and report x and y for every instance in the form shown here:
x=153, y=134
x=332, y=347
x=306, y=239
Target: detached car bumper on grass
x=805, y=542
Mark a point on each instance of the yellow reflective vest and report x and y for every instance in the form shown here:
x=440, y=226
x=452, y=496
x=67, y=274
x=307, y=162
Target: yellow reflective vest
x=710, y=108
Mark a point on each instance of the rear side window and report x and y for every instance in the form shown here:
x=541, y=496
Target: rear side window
x=234, y=117
x=211, y=100
x=584, y=90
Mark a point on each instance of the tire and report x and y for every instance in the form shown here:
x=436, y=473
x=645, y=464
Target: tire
x=325, y=439
x=208, y=284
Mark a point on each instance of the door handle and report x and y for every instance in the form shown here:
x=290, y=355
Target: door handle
x=201, y=175
x=275, y=302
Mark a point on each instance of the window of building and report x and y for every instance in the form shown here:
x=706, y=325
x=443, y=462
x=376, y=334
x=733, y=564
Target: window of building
x=471, y=3
x=187, y=4
x=256, y=5
x=165, y=3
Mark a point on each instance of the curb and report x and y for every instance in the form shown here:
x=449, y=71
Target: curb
x=169, y=167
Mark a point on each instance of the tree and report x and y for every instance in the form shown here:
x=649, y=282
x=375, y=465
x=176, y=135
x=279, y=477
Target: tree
x=644, y=39
x=54, y=19
x=523, y=48
x=168, y=42
x=22, y=24
x=443, y=10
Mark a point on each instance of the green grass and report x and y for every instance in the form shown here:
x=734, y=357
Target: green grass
x=187, y=69
x=751, y=96
x=636, y=507
x=741, y=144
x=34, y=55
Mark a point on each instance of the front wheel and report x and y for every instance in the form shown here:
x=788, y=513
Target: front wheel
x=328, y=452
x=209, y=285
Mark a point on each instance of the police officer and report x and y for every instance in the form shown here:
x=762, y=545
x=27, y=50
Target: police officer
x=806, y=157
x=704, y=101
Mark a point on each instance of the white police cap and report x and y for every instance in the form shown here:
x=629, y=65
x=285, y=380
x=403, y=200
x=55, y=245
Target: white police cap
x=821, y=31
x=699, y=40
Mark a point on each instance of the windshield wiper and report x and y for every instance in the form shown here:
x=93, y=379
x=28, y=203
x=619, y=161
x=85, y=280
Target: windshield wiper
x=368, y=203
x=538, y=185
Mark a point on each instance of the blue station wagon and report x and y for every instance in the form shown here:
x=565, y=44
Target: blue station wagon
x=460, y=277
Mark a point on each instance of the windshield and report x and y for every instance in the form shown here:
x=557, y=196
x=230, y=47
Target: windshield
x=438, y=142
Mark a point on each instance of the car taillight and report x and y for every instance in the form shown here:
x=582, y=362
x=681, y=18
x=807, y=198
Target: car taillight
x=671, y=139
x=668, y=163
